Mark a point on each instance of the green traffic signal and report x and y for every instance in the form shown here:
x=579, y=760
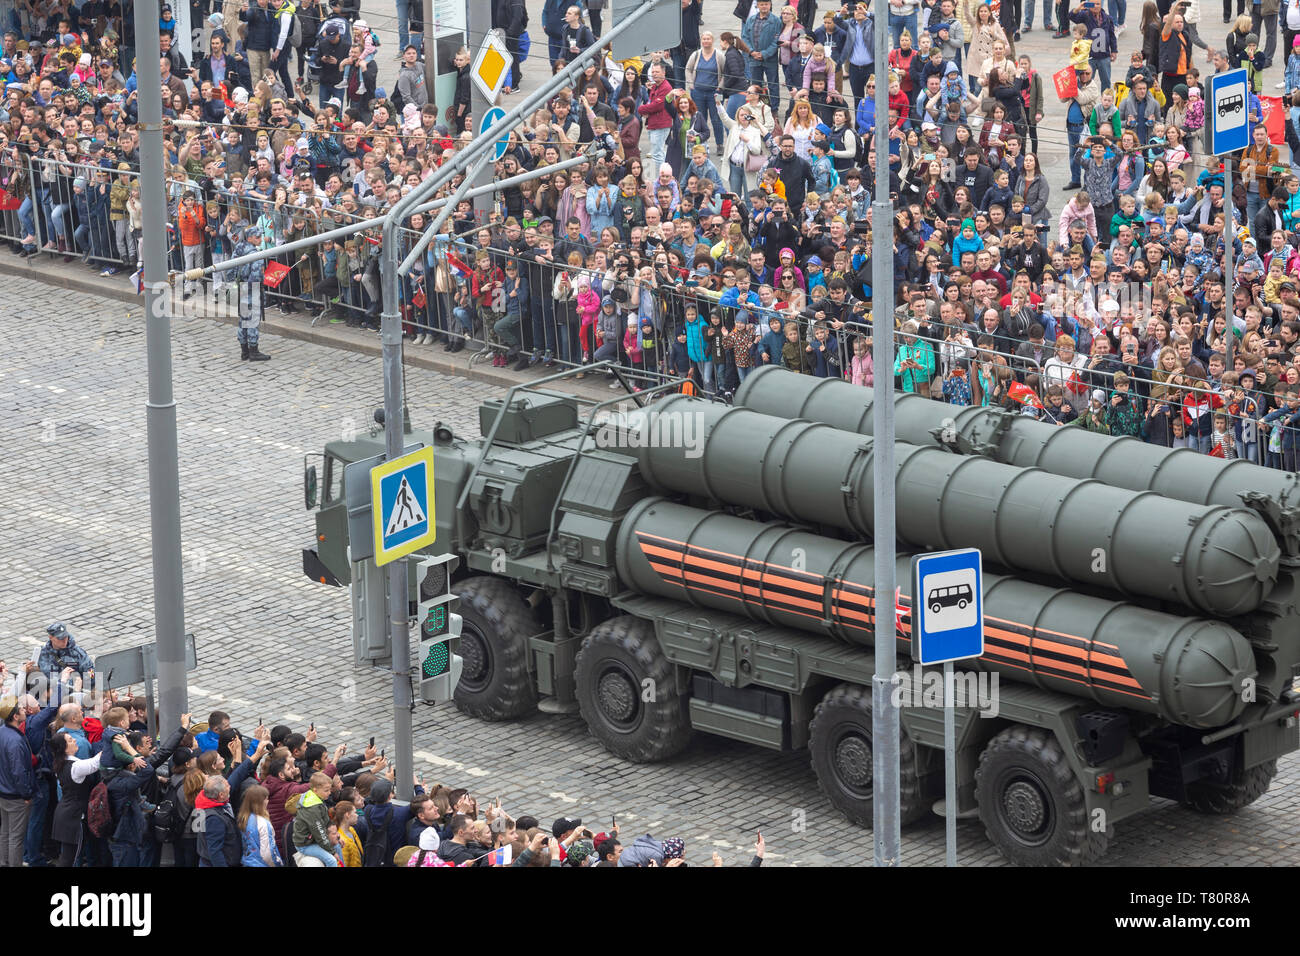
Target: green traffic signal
x=436, y=661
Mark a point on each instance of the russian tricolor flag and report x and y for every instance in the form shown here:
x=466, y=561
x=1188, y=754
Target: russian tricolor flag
x=137, y=279
x=462, y=270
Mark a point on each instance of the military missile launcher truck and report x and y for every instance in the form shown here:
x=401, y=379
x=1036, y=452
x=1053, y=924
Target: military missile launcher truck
x=695, y=567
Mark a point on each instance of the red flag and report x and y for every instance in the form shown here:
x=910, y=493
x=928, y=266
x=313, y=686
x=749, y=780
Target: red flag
x=1066, y=82
x=1274, y=118
x=9, y=203
x=274, y=274
x=1216, y=451
x=1023, y=394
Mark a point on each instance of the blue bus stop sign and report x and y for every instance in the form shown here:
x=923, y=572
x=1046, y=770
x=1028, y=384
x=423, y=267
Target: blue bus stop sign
x=1226, y=129
x=948, y=606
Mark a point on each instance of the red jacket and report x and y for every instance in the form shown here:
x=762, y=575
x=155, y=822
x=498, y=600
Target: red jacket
x=93, y=729
x=900, y=102
x=655, y=110
x=192, y=226
x=278, y=791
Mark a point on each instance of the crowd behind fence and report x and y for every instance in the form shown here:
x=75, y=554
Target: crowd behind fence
x=89, y=211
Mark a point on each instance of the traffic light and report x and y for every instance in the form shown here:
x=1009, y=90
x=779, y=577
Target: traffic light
x=439, y=664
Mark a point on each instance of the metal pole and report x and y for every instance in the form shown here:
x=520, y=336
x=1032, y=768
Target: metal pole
x=479, y=22
x=884, y=715
x=1229, y=234
x=949, y=765
x=164, y=473
x=430, y=52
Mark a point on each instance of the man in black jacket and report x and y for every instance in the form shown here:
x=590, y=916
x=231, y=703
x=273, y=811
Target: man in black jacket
x=692, y=15
x=456, y=850
x=1271, y=217
x=795, y=174
x=331, y=52
x=777, y=233
x=511, y=17
x=132, y=842
x=974, y=175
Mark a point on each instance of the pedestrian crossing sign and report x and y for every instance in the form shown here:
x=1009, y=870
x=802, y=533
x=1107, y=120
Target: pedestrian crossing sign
x=403, y=506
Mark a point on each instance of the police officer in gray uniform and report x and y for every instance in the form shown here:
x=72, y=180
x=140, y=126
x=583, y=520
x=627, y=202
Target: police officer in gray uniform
x=251, y=296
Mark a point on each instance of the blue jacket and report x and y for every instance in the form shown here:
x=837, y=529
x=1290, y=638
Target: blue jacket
x=1101, y=30
x=696, y=347
x=825, y=358
x=731, y=298
x=252, y=846
x=770, y=345
x=17, y=778
x=679, y=361
x=763, y=37
x=866, y=36
x=553, y=18
x=38, y=739
x=262, y=31
x=52, y=661
x=866, y=115
x=392, y=816
x=221, y=834
x=709, y=171
x=518, y=304
x=600, y=207
x=835, y=42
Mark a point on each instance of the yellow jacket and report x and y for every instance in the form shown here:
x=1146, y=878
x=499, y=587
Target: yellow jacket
x=352, y=853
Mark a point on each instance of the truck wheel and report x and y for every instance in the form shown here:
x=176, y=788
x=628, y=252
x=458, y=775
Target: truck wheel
x=1221, y=799
x=495, y=683
x=840, y=746
x=619, y=666
x=1033, y=808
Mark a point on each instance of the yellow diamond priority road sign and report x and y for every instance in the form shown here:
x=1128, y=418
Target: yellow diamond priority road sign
x=492, y=66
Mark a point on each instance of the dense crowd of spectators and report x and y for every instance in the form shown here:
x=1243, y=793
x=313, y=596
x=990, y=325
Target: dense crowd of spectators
x=84, y=781
x=720, y=217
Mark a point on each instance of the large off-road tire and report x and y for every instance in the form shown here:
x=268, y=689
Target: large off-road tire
x=1221, y=799
x=1033, y=808
x=842, y=754
x=627, y=692
x=495, y=683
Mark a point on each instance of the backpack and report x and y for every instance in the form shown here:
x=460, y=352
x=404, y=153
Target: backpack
x=164, y=819
x=99, y=818
x=375, y=851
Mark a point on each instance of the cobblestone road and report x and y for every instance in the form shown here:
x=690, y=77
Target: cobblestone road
x=74, y=546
